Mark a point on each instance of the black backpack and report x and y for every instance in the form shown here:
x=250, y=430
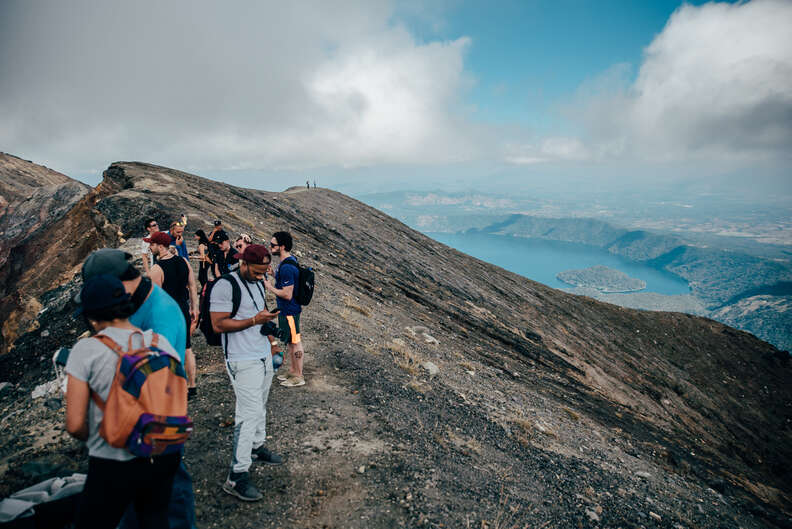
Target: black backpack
x=205, y=319
x=304, y=288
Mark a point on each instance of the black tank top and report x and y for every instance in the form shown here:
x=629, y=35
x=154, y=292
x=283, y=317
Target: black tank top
x=176, y=279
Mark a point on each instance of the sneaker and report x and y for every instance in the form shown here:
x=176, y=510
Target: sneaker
x=265, y=456
x=238, y=484
x=283, y=377
x=293, y=382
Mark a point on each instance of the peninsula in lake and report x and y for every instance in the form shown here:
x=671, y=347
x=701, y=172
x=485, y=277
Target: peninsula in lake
x=602, y=278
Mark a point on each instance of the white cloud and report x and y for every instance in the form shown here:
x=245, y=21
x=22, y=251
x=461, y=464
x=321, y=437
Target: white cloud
x=714, y=86
x=217, y=86
x=715, y=83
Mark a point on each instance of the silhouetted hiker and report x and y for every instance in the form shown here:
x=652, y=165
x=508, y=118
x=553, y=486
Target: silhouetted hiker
x=177, y=239
x=157, y=311
x=174, y=274
x=217, y=231
x=286, y=278
x=116, y=479
x=145, y=252
x=204, y=261
x=249, y=365
x=223, y=256
x=307, y=184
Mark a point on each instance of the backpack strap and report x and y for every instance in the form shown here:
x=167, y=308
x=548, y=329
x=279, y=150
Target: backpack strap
x=113, y=345
x=236, y=293
x=109, y=342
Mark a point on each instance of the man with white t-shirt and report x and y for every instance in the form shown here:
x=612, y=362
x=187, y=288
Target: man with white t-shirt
x=249, y=364
x=145, y=250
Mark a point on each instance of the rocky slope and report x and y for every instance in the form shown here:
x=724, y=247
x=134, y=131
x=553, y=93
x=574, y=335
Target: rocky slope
x=33, y=200
x=443, y=391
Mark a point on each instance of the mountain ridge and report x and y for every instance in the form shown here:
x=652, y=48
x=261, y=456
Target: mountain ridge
x=688, y=401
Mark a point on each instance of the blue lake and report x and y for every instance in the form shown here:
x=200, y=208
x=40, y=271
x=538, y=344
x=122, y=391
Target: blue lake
x=541, y=260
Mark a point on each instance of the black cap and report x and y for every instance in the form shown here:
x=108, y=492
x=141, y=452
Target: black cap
x=218, y=222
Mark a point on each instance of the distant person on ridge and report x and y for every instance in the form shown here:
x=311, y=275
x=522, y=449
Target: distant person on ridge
x=116, y=478
x=286, y=278
x=175, y=275
x=155, y=310
x=145, y=251
x=249, y=365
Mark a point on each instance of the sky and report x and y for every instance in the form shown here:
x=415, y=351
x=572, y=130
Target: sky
x=382, y=95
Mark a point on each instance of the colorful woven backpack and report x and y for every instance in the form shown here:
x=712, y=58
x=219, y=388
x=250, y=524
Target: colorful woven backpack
x=146, y=409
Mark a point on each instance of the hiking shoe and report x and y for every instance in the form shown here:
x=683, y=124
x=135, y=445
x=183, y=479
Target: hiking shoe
x=238, y=484
x=265, y=456
x=293, y=382
x=283, y=377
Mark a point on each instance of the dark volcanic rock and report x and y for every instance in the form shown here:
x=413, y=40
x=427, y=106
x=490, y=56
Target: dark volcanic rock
x=547, y=407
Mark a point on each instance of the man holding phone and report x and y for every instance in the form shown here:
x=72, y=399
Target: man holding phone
x=249, y=365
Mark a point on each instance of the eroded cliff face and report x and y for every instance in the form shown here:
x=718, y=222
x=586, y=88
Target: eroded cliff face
x=47, y=224
x=569, y=397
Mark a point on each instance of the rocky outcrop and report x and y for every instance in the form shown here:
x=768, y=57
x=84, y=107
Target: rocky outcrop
x=461, y=390
x=48, y=225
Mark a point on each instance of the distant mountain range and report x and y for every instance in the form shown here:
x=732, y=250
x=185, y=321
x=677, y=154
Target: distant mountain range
x=719, y=274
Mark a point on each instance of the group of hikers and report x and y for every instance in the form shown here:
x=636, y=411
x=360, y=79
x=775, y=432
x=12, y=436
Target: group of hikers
x=129, y=382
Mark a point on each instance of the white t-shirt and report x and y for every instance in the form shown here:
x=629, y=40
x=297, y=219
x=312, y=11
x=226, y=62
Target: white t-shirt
x=247, y=344
x=93, y=362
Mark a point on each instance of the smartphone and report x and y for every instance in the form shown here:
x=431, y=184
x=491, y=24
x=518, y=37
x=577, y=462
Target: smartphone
x=274, y=311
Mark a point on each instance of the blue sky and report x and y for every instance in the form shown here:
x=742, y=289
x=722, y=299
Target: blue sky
x=528, y=58
x=385, y=93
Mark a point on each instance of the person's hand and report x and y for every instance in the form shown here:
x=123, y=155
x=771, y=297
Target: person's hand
x=264, y=316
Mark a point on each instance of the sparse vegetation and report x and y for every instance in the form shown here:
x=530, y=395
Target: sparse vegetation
x=404, y=357
x=467, y=366
x=350, y=303
x=572, y=415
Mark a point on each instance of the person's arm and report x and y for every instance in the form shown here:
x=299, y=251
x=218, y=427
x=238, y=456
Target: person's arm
x=193, y=291
x=283, y=293
x=222, y=321
x=78, y=396
x=156, y=275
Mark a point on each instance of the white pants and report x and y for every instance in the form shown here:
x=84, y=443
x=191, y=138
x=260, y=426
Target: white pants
x=251, y=380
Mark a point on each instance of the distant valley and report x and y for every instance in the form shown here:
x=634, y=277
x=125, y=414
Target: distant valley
x=744, y=282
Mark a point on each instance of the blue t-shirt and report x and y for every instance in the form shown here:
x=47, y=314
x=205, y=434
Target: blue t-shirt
x=181, y=249
x=162, y=315
x=288, y=275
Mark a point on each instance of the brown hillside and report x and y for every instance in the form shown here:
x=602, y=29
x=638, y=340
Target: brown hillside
x=549, y=410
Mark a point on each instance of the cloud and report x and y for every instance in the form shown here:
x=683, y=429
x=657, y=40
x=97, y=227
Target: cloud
x=714, y=85
x=209, y=85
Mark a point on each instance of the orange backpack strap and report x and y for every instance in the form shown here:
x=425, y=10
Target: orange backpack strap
x=109, y=342
x=97, y=400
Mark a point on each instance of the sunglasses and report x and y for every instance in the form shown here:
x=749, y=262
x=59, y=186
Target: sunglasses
x=238, y=246
x=273, y=245
x=152, y=225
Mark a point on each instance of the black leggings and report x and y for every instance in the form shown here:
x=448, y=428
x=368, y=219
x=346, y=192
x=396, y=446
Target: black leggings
x=112, y=485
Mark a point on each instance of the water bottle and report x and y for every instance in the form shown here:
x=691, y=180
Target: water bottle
x=277, y=360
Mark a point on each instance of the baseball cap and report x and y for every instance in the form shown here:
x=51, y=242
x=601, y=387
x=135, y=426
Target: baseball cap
x=159, y=237
x=220, y=236
x=218, y=222
x=100, y=292
x=254, y=254
x=105, y=261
